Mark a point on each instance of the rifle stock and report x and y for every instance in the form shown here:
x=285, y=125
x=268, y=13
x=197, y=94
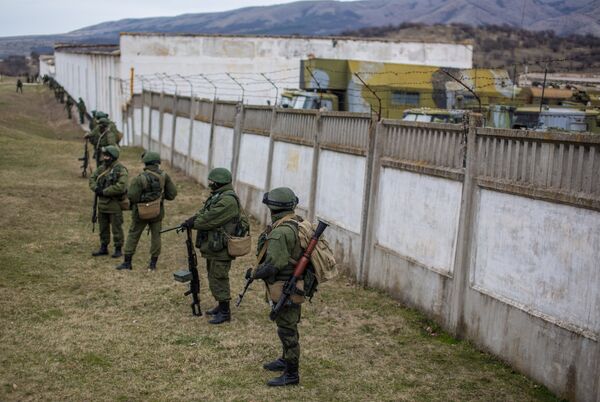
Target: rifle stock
x=190, y=275
x=241, y=295
x=85, y=159
x=290, y=286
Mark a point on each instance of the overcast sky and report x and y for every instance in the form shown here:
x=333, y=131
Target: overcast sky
x=38, y=17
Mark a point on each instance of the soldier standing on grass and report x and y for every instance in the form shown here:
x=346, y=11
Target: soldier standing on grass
x=69, y=106
x=19, y=86
x=278, y=249
x=102, y=136
x=81, y=109
x=150, y=185
x=109, y=182
x=218, y=218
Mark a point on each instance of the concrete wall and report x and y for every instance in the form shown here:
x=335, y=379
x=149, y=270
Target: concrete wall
x=493, y=233
x=95, y=78
x=46, y=66
x=245, y=57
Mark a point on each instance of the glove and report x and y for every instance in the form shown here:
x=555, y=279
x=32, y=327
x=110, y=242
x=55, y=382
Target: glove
x=248, y=274
x=188, y=223
x=265, y=271
x=99, y=191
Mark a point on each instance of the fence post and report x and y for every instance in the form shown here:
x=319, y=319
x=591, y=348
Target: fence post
x=463, y=242
x=174, y=126
x=160, y=121
x=270, y=158
x=237, y=139
x=212, y=133
x=314, y=172
x=369, y=219
x=193, y=109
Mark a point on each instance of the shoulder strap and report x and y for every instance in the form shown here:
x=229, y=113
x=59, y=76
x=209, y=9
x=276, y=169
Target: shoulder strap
x=161, y=179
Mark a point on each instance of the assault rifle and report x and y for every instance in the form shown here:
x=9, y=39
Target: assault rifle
x=289, y=288
x=85, y=159
x=191, y=274
x=246, y=286
x=95, y=212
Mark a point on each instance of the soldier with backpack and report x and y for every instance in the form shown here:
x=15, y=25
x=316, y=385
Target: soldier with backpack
x=280, y=247
x=220, y=218
x=147, y=193
x=104, y=134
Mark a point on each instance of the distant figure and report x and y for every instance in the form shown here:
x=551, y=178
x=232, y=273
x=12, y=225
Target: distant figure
x=19, y=85
x=68, y=105
x=82, y=110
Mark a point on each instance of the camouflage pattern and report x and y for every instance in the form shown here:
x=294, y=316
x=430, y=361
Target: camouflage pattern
x=102, y=136
x=136, y=192
x=218, y=279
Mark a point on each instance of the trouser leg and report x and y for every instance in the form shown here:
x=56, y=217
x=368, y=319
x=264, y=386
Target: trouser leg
x=155, y=241
x=133, y=236
x=218, y=279
x=116, y=222
x=104, y=227
x=287, y=330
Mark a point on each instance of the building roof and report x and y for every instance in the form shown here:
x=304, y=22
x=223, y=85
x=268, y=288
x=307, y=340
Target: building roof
x=83, y=48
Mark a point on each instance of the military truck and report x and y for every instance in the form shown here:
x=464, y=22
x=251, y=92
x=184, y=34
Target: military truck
x=556, y=118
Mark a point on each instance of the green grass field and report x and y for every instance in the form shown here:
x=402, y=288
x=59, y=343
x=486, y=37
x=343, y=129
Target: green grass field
x=75, y=329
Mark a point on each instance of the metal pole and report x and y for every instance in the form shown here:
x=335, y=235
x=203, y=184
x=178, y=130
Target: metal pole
x=276, y=88
x=240, y=85
x=375, y=94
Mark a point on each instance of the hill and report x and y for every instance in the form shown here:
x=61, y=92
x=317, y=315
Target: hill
x=564, y=17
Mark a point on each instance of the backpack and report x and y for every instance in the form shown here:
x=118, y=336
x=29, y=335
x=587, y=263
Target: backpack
x=323, y=266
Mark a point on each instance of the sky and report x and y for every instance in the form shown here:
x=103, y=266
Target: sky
x=40, y=17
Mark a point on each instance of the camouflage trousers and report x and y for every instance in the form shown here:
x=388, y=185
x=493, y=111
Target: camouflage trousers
x=135, y=232
x=287, y=330
x=218, y=279
x=113, y=221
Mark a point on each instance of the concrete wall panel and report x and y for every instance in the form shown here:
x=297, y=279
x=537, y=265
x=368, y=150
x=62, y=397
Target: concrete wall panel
x=254, y=154
x=418, y=217
x=223, y=147
x=520, y=254
x=155, y=124
x=340, y=196
x=167, y=134
x=292, y=168
x=200, y=142
x=182, y=138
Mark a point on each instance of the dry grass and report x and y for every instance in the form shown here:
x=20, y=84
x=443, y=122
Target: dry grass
x=73, y=328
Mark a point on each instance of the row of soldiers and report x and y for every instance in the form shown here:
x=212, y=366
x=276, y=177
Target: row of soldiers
x=63, y=97
x=218, y=219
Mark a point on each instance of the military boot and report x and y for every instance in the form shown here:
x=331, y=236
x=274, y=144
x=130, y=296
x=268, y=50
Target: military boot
x=214, y=310
x=126, y=263
x=289, y=377
x=117, y=252
x=223, y=315
x=103, y=250
x=275, y=365
x=152, y=263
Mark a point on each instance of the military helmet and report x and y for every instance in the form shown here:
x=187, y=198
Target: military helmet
x=100, y=114
x=280, y=198
x=103, y=120
x=220, y=175
x=151, y=158
x=112, y=151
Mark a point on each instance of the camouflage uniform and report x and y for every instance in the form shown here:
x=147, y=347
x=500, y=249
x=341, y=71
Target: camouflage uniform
x=219, y=215
x=146, y=187
x=82, y=110
x=104, y=134
x=277, y=266
x=68, y=106
x=109, y=182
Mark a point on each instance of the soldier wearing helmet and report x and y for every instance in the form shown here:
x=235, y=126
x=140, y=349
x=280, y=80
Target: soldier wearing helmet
x=103, y=135
x=218, y=218
x=151, y=184
x=109, y=182
x=278, y=249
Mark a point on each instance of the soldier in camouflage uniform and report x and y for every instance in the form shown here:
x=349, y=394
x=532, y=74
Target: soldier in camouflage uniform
x=109, y=182
x=219, y=215
x=81, y=109
x=278, y=248
x=69, y=106
x=151, y=184
x=102, y=135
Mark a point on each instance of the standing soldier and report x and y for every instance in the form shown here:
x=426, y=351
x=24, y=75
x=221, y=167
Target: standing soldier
x=218, y=218
x=101, y=136
x=19, y=85
x=278, y=249
x=68, y=106
x=81, y=109
x=109, y=182
x=150, y=185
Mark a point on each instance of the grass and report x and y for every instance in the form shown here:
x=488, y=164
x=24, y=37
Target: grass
x=73, y=328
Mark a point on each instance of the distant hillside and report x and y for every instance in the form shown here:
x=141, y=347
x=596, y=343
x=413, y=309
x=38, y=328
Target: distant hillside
x=504, y=46
x=565, y=17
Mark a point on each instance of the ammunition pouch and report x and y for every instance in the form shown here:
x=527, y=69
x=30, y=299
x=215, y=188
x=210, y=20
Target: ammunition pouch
x=275, y=291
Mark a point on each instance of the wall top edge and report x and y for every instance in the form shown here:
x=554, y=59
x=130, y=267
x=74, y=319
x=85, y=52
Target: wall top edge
x=416, y=124
x=543, y=136
x=336, y=38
